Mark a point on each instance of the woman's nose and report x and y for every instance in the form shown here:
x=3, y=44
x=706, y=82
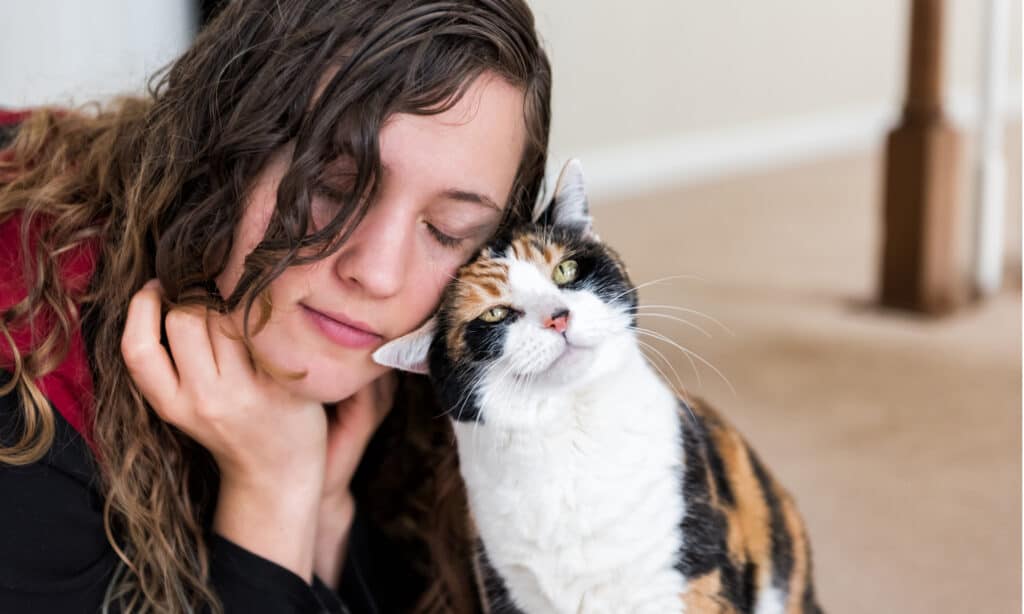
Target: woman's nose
x=375, y=258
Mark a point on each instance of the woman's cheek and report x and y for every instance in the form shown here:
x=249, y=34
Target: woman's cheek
x=430, y=283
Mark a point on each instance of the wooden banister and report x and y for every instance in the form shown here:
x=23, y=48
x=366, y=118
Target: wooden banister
x=922, y=179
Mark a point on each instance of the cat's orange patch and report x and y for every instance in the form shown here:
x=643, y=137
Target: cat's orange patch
x=800, y=576
x=530, y=248
x=749, y=533
x=482, y=284
x=703, y=595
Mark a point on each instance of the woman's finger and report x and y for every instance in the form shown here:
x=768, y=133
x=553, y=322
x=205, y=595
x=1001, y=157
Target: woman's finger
x=191, y=348
x=147, y=360
x=229, y=352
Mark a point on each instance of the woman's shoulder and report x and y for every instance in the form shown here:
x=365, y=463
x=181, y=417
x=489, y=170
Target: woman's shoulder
x=51, y=522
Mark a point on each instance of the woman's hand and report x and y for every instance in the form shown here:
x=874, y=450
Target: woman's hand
x=270, y=445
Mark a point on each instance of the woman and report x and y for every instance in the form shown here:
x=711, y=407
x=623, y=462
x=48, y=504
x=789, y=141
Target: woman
x=193, y=284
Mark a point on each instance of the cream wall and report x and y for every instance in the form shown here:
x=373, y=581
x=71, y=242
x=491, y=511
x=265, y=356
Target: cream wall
x=670, y=66
x=729, y=80
x=75, y=51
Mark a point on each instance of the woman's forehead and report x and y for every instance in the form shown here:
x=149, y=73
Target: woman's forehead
x=474, y=148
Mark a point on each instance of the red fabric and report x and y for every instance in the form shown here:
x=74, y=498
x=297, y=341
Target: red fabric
x=9, y=117
x=69, y=387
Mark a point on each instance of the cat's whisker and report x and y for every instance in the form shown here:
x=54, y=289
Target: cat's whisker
x=656, y=281
x=686, y=310
x=466, y=399
x=501, y=381
x=684, y=393
x=679, y=379
x=677, y=319
x=693, y=365
x=689, y=352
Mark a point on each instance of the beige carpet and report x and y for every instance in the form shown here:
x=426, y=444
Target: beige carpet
x=900, y=437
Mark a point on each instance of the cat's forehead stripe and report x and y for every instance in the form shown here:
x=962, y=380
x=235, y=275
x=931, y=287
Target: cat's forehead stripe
x=527, y=247
x=549, y=254
x=532, y=248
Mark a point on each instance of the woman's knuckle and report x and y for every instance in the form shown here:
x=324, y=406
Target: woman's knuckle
x=133, y=350
x=175, y=320
x=208, y=409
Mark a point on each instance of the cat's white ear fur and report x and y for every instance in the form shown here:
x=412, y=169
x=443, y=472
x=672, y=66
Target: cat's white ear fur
x=410, y=351
x=570, y=207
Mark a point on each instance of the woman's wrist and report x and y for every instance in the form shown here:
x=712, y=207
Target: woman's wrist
x=279, y=525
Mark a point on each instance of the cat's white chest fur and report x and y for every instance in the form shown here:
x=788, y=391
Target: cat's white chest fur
x=583, y=515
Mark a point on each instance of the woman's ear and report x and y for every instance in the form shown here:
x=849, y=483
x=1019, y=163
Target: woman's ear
x=409, y=352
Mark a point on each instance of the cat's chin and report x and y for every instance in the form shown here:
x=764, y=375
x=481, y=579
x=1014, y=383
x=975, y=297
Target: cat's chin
x=567, y=370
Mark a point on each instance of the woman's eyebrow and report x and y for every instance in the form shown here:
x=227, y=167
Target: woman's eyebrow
x=471, y=197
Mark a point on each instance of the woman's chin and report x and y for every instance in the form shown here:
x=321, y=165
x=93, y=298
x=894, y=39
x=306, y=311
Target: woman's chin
x=330, y=385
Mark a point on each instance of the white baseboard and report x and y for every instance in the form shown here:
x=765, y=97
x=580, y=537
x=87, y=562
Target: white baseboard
x=619, y=172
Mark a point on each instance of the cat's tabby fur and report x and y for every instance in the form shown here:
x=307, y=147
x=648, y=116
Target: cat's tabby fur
x=593, y=488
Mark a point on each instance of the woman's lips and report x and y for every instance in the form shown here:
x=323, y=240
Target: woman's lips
x=343, y=334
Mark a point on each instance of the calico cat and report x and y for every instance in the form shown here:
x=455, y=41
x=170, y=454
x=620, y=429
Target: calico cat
x=593, y=488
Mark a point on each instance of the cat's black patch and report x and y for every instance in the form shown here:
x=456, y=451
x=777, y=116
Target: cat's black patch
x=782, y=545
x=496, y=593
x=486, y=340
x=740, y=589
x=453, y=383
x=704, y=527
x=722, y=485
x=809, y=601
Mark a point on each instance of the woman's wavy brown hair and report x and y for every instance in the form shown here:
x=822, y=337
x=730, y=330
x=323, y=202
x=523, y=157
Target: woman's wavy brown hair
x=158, y=183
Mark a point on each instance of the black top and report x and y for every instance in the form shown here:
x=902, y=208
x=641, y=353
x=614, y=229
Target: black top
x=54, y=554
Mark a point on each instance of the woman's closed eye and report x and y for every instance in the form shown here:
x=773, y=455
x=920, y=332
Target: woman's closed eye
x=443, y=238
x=327, y=201
x=454, y=231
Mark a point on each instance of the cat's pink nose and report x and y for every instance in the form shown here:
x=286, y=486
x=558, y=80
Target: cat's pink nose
x=558, y=321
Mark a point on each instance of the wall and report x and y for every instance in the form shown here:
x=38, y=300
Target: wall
x=72, y=52
x=666, y=91
x=681, y=90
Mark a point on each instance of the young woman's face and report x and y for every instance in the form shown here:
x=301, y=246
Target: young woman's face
x=446, y=180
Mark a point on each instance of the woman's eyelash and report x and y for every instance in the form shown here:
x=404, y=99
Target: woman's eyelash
x=335, y=195
x=443, y=239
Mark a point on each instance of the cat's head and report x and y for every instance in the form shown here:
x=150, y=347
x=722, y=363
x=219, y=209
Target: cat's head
x=546, y=307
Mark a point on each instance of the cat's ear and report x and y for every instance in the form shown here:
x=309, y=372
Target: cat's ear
x=570, y=208
x=410, y=351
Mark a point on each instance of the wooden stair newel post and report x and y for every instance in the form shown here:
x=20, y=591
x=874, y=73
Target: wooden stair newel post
x=922, y=175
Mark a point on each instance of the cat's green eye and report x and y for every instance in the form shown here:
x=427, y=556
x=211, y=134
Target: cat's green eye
x=495, y=314
x=565, y=272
